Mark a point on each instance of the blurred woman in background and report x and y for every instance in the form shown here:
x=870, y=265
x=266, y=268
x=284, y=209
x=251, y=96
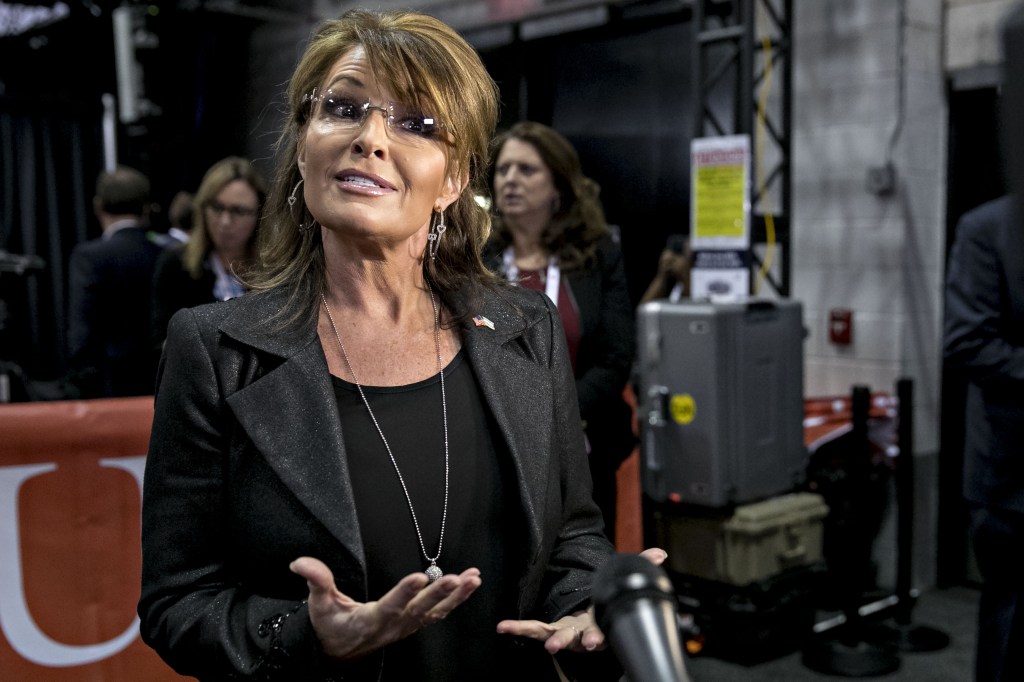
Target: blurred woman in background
x=550, y=234
x=225, y=223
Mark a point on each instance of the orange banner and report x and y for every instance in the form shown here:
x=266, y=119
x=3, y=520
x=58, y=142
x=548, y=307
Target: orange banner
x=70, y=560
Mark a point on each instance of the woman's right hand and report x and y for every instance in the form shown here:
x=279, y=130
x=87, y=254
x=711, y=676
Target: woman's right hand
x=349, y=629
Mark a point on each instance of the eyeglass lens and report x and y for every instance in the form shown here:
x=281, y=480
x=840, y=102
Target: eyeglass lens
x=234, y=211
x=343, y=109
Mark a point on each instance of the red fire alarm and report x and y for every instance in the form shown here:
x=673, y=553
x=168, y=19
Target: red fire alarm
x=840, y=326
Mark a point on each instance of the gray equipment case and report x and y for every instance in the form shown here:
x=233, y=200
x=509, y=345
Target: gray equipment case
x=720, y=400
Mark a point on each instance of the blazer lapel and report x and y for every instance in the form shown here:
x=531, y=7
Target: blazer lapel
x=519, y=395
x=291, y=415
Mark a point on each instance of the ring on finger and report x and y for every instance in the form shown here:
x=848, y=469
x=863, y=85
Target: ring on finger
x=579, y=635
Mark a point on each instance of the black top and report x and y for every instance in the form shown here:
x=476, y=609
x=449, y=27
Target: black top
x=479, y=531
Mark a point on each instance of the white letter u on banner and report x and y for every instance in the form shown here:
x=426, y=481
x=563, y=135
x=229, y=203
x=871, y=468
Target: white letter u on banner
x=16, y=622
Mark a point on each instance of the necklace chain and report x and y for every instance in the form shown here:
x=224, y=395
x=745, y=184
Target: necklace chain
x=433, y=572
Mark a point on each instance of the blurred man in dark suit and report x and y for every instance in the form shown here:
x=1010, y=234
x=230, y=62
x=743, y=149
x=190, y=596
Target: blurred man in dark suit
x=984, y=336
x=109, y=287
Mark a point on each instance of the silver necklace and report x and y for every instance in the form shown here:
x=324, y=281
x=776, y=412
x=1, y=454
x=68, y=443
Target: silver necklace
x=433, y=571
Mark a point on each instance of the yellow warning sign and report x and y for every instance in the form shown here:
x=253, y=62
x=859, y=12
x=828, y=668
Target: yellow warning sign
x=683, y=408
x=720, y=202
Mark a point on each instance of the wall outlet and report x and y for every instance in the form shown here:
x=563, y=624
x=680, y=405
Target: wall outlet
x=881, y=180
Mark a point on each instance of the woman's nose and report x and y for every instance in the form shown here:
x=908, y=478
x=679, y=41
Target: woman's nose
x=371, y=136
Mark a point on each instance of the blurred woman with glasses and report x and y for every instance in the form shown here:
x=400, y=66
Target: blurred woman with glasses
x=550, y=234
x=371, y=466
x=210, y=265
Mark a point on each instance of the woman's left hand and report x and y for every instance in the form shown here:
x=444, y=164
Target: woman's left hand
x=578, y=632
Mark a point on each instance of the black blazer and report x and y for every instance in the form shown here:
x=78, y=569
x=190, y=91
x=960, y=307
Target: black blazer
x=984, y=336
x=247, y=471
x=607, y=348
x=109, y=283
x=174, y=288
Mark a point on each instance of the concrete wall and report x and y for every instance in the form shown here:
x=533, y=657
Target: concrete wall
x=869, y=87
x=972, y=32
x=880, y=256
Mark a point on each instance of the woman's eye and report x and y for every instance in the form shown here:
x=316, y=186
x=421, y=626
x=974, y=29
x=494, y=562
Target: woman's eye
x=344, y=108
x=424, y=126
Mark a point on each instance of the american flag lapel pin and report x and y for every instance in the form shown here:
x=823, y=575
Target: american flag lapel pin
x=481, y=321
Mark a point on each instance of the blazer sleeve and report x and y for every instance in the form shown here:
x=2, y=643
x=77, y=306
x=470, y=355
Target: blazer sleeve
x=581, y=546
x=610, y=348
x=976, y=335
x=193, y=612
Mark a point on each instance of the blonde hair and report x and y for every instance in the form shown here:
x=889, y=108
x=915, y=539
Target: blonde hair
x=217, y=177
x=421, y=61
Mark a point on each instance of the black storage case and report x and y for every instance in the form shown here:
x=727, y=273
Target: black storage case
x=753, y=623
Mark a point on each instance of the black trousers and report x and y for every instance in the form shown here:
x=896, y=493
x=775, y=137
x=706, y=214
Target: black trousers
x=998, y=536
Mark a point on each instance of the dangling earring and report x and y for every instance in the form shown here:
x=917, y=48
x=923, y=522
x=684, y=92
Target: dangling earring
x=292, y=199
x=437, y=229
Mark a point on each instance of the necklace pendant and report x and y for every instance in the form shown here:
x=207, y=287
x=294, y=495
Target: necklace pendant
x=433, y=572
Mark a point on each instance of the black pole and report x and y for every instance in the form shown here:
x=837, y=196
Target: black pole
x=904, y=501
x=859, y=470
x=904, y=635
x=849, y=652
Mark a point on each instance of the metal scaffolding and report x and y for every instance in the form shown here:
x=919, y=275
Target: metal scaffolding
x=742, y=65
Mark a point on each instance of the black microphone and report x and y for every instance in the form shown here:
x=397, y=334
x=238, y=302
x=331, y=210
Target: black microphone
x=635, y=607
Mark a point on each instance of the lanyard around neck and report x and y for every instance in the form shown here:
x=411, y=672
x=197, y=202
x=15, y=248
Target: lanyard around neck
x=554, y=273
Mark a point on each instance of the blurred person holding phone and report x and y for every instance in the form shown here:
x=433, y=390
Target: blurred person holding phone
x=672, y=280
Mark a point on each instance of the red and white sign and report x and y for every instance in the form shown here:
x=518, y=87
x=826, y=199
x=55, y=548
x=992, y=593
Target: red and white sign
x=70, y=557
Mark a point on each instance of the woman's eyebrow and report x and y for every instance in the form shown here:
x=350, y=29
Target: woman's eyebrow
x=348, y=80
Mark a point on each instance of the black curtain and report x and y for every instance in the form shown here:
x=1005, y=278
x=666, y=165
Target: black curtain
x=620, y=93
x=52, y=81
x=52, y=152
